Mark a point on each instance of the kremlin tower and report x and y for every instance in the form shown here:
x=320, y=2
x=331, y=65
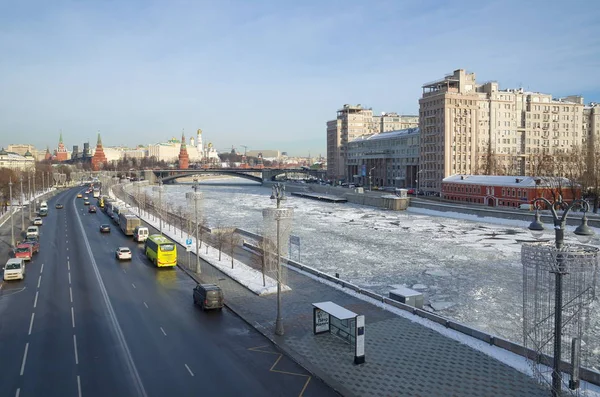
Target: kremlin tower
x=48, y=155
x=184, y=158
x=61, y=152
x=99, y=159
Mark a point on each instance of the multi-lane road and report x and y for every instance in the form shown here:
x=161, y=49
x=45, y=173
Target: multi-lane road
x=84, y=324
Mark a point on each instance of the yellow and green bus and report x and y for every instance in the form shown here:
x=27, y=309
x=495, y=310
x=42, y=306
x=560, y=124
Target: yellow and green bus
x=160, y=250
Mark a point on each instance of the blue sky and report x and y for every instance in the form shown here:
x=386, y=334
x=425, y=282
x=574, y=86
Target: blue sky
x=268, y=74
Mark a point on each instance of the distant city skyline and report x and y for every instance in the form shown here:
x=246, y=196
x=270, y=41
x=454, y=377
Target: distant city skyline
x=267, y=74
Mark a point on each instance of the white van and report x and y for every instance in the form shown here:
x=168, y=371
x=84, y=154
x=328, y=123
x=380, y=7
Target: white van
x=140, y=234
x=33, y=231
x=14, y=269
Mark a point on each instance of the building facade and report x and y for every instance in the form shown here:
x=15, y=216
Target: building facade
x=506, y=191
x=352, y=122
x=467, y=128
x=61, y=152
x=16, y=161
x=388, y=159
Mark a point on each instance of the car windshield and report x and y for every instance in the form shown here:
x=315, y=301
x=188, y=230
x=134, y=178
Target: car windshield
x=104, y=226
x=22, y=249
x=13, y=266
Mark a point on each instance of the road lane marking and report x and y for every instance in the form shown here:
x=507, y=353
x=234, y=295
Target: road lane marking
x=67, y=242
x=1, y=285
x=75, y=347
x=133, y=285
x=68, y=266
x=71, y=294
x=189, y=370
x=69, y=278
x=67, y=248
x=146, y=305
x=39, y=281
x=31, y=323
x=124, y=271
x=35, y=300
x=67, y=257
x=78, y=386
x=18, y=392
x=42, y=269
x=72, y=317
x=163, y=331
x=24, y=358
x=137, y=380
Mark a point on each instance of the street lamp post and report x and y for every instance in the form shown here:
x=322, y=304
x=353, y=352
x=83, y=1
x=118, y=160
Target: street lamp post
x=29, y=192
x=370, y=179
x=278, y=194
x=22, y=205
x=195, y=187
x=12, y=222
x=159, y=188
x=34, y=200
x=584, y=234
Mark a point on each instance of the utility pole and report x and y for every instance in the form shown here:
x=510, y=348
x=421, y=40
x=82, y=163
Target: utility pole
x=12, y=222
x=195, y=187
x=29, y=192
x=34, y=200
x=22, y=205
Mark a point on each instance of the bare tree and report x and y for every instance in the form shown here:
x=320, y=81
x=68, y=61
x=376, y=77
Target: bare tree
x=233, y=240
x=265, y=255
x=220, y=239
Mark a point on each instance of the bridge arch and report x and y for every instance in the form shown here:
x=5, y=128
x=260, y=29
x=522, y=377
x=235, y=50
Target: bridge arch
x=170, y=176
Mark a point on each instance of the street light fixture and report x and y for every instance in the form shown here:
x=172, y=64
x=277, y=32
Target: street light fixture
x=159, y=210
x=370, y=174
x=584, y=235
x=278, y=193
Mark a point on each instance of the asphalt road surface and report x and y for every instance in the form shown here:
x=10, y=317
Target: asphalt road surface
x=84, y=324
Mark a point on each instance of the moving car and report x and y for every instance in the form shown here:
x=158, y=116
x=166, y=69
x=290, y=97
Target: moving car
x=208, y=296
x=86, y=202
x=79, y=195
x=86, y=198
x=24, y=251
x=14, y=269
x=123, y=253
x=140, y=234
x=104, y=228
x=35, y=245
x=38, y=221
x=33, y=231
x=92, y=209
x=59, y=206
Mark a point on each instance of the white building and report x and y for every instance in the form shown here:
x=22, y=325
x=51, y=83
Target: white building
x=17, y=162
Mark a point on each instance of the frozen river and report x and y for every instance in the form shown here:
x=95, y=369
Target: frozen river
x=468, y=270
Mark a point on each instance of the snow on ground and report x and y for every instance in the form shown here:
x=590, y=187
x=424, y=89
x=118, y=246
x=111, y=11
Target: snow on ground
x=242, y=273
x=473, y=263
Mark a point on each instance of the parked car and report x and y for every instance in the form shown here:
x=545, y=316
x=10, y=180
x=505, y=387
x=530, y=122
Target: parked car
x=92, y=209
x=14, y=269
x=24, y=251
x=104, y=228
x=123, y=253
x=58, y=206
x=208, y=296
x=38, y=221
x=34, y=243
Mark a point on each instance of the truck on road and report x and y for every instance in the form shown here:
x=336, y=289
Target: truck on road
x=128, y=222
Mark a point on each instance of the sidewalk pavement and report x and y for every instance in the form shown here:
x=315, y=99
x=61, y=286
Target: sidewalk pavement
x=403, y=358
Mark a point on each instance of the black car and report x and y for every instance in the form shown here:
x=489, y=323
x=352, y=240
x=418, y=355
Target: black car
x=59, y=206
x=208, y=296
x=104, y=228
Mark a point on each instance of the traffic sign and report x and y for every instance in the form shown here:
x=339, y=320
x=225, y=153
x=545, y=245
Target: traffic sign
x=188, y=241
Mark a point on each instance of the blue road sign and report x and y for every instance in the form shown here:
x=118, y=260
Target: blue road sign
x=188, y=241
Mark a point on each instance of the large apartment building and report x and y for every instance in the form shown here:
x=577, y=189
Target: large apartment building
x=470, y=128
x=352, y=122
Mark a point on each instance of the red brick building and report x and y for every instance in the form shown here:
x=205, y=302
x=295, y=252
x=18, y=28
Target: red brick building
x=99, y=159
x=184, y=158
x=506, y=191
